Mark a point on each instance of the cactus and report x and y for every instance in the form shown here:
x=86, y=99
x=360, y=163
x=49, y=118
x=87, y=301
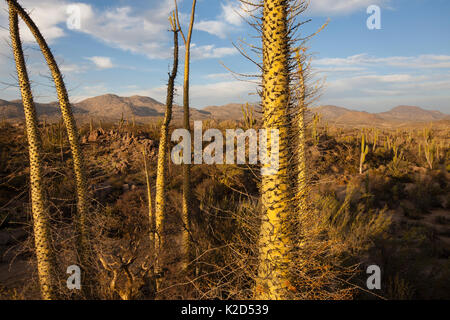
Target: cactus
x=410, y=136
x=427, y=134
x=162, y=156
x=249, y=120
x=364, y=152
x=397, y=157
x=41, y=219
x=186, y=206
x=388, y=144
x=375, y=140
x=315, y=129
x=121, y=122
x=430, y=150
x=91, y=125
x=72, y=133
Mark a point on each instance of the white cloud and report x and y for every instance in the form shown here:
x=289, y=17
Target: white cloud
x=377, y=92
x=231, y=18
x=214, y=27
x=47, y=14
x=143, y=32
x=337, y=7
x=208, y=94
x=428, y=61
x=223, y=75
x=234, y=12
x=102, y=62
x=372, y=83
x=211, y=52
x=124, y=27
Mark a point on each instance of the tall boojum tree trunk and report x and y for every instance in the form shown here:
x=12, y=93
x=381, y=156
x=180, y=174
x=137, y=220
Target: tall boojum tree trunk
x=186, y=205
x=162, y=156
x=274, y=246
x=41, y=219
x=302, y=188
x=72, y=133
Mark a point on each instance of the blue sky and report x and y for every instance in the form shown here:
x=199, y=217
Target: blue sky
x=124, y=47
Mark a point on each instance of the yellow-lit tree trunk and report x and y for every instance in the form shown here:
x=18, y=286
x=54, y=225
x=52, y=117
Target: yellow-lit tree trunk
x=162, y=158
x=72, y=132
x=41, y=219
x=274, y=246
x=186, y=123
x=302, y=183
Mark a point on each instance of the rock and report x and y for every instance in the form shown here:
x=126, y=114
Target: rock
x=95, y=135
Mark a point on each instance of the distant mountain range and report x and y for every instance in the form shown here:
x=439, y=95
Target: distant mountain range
x=112, y=107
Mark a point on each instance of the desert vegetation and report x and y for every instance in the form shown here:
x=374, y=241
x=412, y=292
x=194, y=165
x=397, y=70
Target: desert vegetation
x=106, y=195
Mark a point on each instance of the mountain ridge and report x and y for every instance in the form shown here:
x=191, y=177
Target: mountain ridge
x=111, y=106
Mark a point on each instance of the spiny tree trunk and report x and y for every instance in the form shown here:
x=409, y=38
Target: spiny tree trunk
x=151, y=216
x=273, y=276
x=187, y=246
x=302, y=187
x=162, y=158
x=41, y=222
x=72, y=132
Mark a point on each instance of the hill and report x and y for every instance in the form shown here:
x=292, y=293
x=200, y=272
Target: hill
x=113, y=107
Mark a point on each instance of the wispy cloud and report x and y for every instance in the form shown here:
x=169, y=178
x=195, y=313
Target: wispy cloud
x=211, y=51
x=125, y=27
x=338, y=7
x=229, y=20
x=101, y=62
x=207, y=94
x=427, y=61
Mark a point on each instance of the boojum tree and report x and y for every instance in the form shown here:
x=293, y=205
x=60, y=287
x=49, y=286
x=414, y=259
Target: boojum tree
x=274, y=242
x=302, y=187
x=284, y=95
x=162, y=155
x=41, y=219
x=307, y=92
x=151, y=216
x=72, y=133
x=186, y=205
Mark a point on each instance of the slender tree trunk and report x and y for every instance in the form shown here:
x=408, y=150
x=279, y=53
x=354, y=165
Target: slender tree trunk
x=186, y=205
x=72, y=133
x=302, y=182
x=151, y=217
x=41, y=222
x=162, y=160
x=274, y=245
